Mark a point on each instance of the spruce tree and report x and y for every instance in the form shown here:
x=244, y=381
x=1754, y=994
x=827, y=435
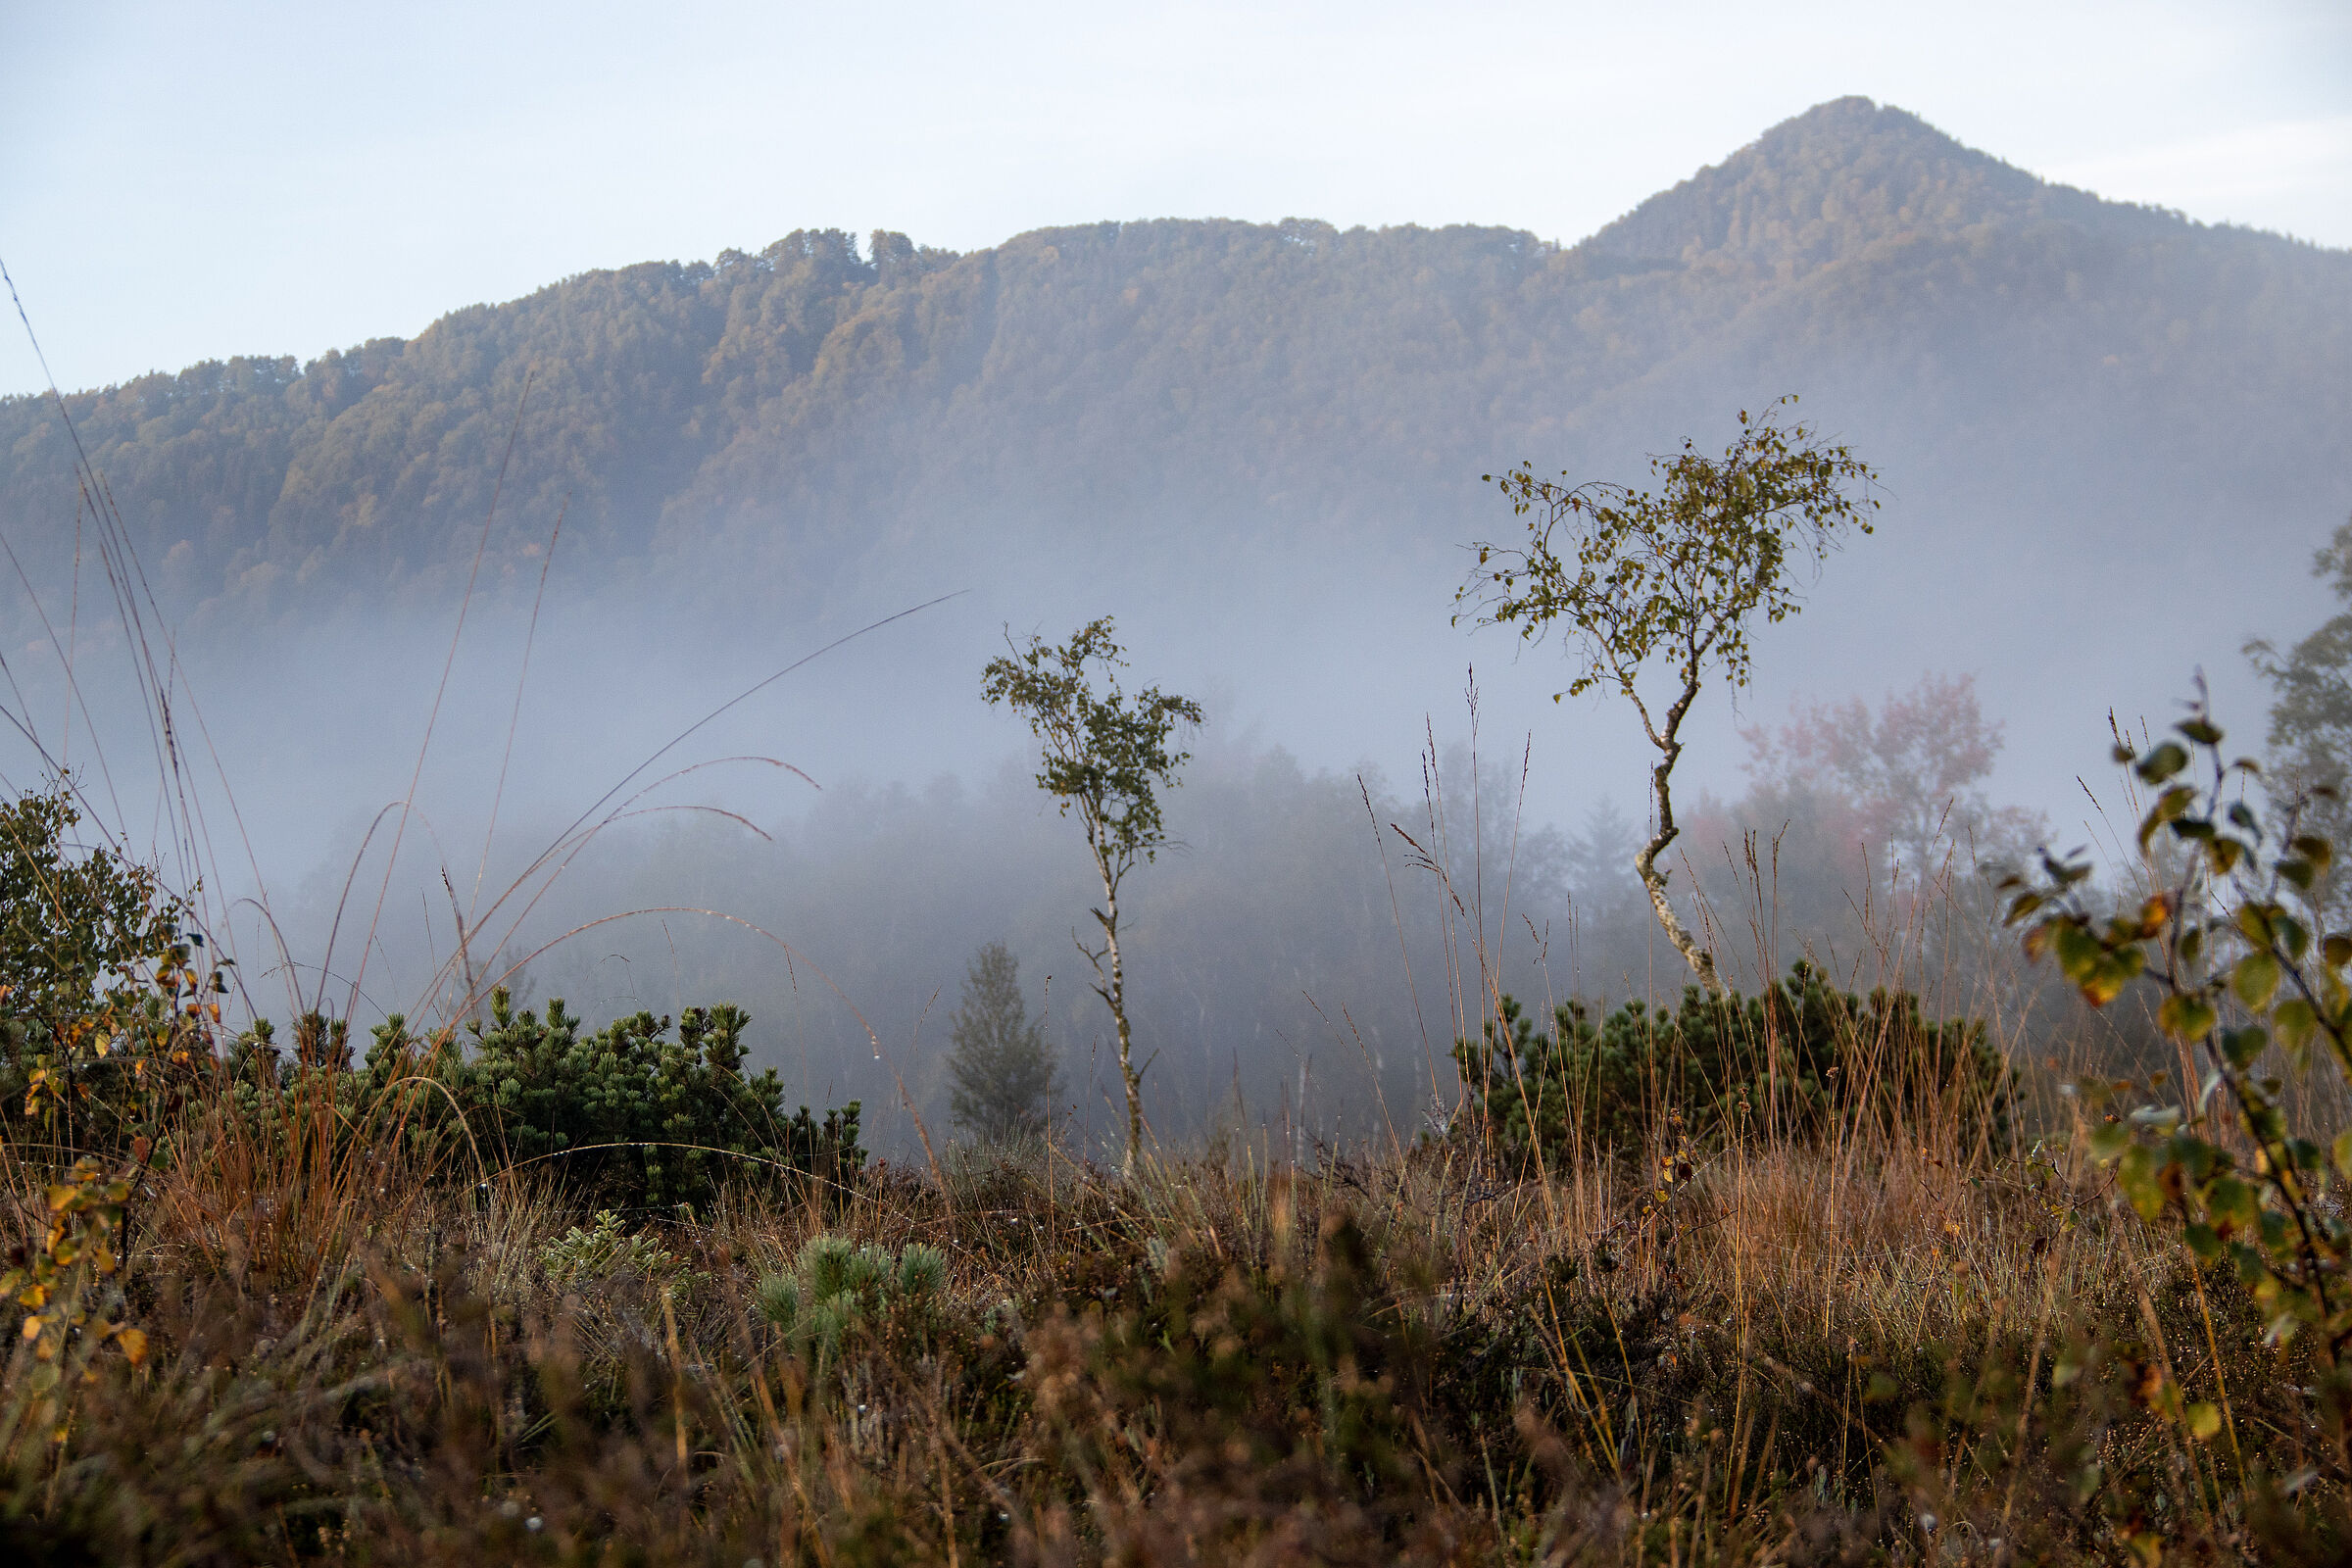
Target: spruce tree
x=1002, y=1074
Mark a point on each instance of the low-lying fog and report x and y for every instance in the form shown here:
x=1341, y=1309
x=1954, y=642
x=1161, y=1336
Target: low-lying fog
x=832, y=849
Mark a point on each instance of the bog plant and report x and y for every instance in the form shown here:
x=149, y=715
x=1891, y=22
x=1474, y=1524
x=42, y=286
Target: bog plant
x=67, y=1283
x=1288, y=1413
x=627, y=1115
x=70, y=1312
x=604, y=1247
x=836, y=1288
x=631, y=1114
x=107, y=998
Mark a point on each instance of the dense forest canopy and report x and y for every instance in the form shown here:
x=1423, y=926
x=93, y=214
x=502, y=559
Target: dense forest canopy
x=1168, y=387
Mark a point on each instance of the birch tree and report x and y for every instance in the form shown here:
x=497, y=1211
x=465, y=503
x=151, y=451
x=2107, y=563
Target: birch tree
x=1662, y=586
x=1106, y=755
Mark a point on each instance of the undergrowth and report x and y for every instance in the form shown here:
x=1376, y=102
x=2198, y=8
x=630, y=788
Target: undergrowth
x=1808, y=1278
x=1863, y=1348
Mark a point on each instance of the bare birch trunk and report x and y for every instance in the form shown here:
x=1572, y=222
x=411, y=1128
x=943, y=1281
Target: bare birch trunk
x=1116, y=995
x=1646, y=864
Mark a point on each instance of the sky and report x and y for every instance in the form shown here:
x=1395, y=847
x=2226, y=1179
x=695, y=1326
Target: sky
x=181, y=182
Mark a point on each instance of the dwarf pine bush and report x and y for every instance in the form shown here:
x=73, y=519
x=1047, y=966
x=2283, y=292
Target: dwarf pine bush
x=605, y=1247
x=631, y=1115
x=1797, y=1055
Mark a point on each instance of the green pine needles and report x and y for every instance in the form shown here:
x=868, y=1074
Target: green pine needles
x=836, y=1288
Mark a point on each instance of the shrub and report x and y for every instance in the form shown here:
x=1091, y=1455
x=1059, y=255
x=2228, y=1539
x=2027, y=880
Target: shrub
x=105, y=1004
x=585, y=1254
x=638, y=1119
x=1244, y=1414
x=2234, y=943
x=1800, y=1053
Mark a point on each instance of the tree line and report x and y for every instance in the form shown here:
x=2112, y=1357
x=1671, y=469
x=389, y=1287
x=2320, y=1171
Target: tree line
x=797, y=410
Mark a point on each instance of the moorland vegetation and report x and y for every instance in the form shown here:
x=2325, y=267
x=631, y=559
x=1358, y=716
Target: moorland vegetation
x=1801, y=1276
x=1782, y=1266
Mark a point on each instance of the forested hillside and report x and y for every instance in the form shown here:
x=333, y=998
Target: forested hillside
x=1159, y=390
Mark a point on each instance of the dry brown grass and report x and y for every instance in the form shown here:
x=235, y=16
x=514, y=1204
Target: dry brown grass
x=1886, y=1339
x=1399, y=1355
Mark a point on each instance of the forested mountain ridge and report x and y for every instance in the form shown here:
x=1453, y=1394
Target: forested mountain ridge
x=1178, y=387
x=1826, y=185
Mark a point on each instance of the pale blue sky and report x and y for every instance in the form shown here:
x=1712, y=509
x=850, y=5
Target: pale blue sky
x=181, y=181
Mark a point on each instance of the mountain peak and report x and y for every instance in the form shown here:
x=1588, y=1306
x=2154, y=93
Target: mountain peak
x=1813, y=187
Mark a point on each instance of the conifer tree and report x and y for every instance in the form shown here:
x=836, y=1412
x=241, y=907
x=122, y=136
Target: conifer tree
x=1003, y=1076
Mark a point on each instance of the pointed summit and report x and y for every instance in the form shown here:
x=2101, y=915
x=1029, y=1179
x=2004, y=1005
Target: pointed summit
x=1839, y=177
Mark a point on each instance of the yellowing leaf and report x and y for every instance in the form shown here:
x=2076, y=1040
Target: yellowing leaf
x=2255, y=980
x=2187, y=1017
x=2202, y=1421
x=2105, y=983
x=135, y=1344
x=2294, y=1023
x=2109, y=1140
x=2318, y=851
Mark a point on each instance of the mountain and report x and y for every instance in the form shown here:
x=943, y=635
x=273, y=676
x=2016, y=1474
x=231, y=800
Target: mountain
x=1177, y=384
x=2109, y=439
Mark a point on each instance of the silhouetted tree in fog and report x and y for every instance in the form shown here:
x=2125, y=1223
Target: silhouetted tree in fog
x=1003, y=1075
x=2311, y=716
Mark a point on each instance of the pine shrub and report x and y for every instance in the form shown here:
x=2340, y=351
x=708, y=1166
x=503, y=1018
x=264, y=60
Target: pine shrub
x=836, y=1288
x=1799, y=1055
x=630, y=1115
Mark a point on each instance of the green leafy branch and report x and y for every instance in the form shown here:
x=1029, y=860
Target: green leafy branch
x=2232, y=941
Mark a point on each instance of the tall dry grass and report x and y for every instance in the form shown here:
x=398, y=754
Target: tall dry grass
x=1890, y=1338
x=1821, y=1344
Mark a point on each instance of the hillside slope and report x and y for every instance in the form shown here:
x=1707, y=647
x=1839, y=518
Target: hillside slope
x=1160, y=391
